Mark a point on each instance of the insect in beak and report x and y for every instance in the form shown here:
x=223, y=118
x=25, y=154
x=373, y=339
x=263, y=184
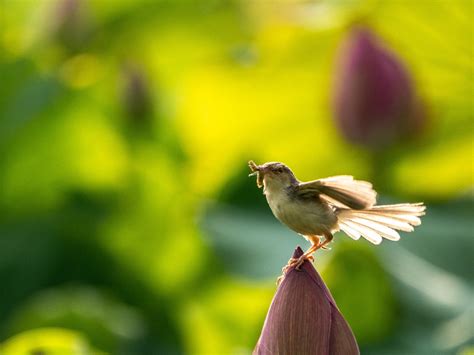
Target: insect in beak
x=256, y=170
x=254, y=167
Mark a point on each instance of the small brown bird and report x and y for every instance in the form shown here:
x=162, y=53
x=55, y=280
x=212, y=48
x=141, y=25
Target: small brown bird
x=317, y=209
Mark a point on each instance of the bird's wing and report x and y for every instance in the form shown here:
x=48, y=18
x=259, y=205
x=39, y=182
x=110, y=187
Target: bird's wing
x=341, y=189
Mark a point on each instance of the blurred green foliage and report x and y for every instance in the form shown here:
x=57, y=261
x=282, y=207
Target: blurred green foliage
x=127, y=223
x=53, y=341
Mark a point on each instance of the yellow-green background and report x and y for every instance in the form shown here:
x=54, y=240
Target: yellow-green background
x=143, y=235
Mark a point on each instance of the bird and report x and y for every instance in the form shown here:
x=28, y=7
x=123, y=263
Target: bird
x=319, y=208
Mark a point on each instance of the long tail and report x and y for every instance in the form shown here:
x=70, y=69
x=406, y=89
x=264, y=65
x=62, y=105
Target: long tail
x=380, y=222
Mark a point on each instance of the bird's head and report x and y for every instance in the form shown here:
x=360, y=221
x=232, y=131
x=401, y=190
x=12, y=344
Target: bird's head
x=272, y=175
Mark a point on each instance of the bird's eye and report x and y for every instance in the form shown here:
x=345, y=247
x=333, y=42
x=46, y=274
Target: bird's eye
x=279, y=170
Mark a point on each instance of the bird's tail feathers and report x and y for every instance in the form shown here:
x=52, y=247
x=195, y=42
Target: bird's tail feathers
x=380, y=222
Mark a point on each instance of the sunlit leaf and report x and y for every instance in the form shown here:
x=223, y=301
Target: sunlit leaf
x=50, y=341
x=226, y=317
x=107, y=323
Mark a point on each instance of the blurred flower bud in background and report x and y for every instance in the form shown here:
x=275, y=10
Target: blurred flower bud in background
x=71, y=25
x=374, y=99
x=136, y=95
x=304, y=319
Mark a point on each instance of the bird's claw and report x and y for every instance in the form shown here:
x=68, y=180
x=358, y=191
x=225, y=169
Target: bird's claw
x=302, y=259
x=297, y=262
x=294, y=263
x=287, y=266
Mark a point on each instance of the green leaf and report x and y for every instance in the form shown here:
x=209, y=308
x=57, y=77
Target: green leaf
x=48, y=341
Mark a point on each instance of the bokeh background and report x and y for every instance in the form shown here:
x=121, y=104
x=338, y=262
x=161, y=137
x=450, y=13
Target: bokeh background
x=127, y=222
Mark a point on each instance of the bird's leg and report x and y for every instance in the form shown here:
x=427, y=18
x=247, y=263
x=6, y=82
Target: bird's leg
x=316, y=244
x=328, y=237
x=315, y=241
x=308, y=255
x=297, y=262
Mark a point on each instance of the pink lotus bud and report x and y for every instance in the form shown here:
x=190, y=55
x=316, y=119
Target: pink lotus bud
x=136, y=95
x=304, y=319
x=373, y=100
x=71, y=24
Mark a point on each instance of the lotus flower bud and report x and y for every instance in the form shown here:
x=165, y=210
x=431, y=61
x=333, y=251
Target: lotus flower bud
x=72, y=24
x=304, y=319
x=136, y=95
x=374, y=102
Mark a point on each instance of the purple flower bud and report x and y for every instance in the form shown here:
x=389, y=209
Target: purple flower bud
x=304, y=319
x=71, y=24
x=373, y=100
x=136, y=95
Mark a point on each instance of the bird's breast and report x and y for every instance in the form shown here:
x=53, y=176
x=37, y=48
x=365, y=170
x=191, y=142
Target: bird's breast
x=307, y=217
